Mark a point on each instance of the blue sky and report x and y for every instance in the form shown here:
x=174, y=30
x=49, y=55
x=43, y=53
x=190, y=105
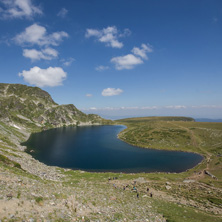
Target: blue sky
x=117, y=58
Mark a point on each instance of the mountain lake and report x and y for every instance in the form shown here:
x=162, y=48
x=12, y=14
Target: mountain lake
x=97, y=149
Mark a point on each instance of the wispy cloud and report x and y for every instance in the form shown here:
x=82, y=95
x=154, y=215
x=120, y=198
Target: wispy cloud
x=46, y=54
x=89, y=95
x=121, y=108
x=142, y=52
x=37, y=35
x=101, y=68
x=110, y=36
x=111, y=92
x=62, y=13
x=199, y=111
x=67, y=62
x=18, y=9
x=176, y=107
x=52, y=76
x=131, y=60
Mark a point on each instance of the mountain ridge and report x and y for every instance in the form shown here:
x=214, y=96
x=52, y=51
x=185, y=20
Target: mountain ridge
x=34, y=107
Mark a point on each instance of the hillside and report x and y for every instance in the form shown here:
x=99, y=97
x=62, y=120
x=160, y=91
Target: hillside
x=184, y=134
x=173, y=133
x=31, y=191
x=33, y=107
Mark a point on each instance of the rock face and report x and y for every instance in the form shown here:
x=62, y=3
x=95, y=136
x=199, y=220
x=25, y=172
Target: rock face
x=33, y=107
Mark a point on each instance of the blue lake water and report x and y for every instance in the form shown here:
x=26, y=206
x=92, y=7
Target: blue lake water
x=97, y=148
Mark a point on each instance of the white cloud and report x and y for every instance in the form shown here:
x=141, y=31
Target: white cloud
x=101, y=68
x=52, y=76
x=148, y=107
x=121, y=108
x=142, y=51
x=67, y=62
x=126, y=32
x=33, y=34
x=89, y=95
x=37, y=35
x=201, y=111
x=131, y=60
x=111, y=92
x=47, y=54
x=93, y=108
x=126, y=62
x=50, y=52
x=108, y=35
x=18, y=9
x=62, y=13
x=176, y=107
x=92, y=32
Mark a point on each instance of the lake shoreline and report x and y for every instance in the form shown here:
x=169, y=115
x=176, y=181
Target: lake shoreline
x=192, y=168
x=153, y=163
x=162, y=184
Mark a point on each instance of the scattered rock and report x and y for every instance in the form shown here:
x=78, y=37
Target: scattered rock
x=168, y=187
x=52, y=203
x=140, y=180
x=188, y=181
x=9, y=196
x=12, y=216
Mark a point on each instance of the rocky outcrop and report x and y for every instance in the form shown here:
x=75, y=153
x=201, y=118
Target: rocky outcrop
x=210, y=174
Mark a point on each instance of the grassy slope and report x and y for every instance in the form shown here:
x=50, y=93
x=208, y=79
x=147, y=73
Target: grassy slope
x=165, y=133
x=185, y=135
x=93, y=191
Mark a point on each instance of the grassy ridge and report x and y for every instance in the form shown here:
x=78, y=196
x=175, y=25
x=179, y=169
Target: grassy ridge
x=173, y=134
x=177, y=133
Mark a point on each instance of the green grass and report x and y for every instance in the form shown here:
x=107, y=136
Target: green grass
x=179, y=213
x=215, y=201
x=172, y=133
x=9, y=162
x=184, y=135
x=39, y=200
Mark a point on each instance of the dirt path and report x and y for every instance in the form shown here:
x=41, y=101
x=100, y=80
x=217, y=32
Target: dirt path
x=196, y=142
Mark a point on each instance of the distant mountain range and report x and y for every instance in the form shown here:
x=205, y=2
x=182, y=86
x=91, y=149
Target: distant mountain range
x=208, y=120
x=196, y=119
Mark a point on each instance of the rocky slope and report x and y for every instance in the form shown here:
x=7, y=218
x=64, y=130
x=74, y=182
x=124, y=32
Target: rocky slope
x=33, y=107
